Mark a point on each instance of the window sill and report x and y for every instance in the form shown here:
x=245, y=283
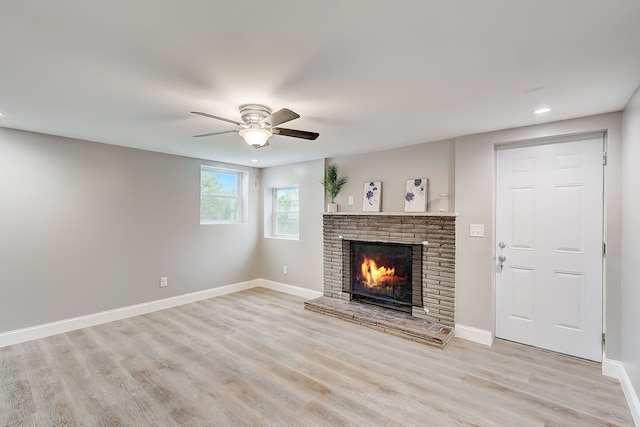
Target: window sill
x=221, y=223
x=282, y=238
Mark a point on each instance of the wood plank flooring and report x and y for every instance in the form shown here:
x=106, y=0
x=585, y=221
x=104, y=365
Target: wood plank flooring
x=257, y=358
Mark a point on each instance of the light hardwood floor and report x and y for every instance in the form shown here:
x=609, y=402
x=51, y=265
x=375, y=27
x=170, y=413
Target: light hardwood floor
x=257, y=358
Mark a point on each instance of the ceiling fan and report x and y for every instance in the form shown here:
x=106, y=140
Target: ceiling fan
x=259, y=124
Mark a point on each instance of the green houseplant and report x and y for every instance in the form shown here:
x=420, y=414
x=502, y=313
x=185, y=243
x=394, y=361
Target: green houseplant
x=333, y=183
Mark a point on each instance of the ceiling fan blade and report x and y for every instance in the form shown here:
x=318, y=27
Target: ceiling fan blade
x=215, y=133
x=281, y=116
x=211, y=116
x=296, y=133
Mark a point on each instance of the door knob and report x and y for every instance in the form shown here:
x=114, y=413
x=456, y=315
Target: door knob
x=502, y=245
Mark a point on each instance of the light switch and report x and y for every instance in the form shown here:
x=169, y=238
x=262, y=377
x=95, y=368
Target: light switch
x=476, y=230
x=350, y=200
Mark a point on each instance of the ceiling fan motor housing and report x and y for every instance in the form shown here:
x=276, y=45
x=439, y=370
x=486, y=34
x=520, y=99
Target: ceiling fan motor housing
x=253, y=114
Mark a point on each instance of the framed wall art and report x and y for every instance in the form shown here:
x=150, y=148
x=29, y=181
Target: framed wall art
x=371, y=196
x=415, y=196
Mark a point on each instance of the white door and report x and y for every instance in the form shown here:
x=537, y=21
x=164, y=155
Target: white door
x=549, y=201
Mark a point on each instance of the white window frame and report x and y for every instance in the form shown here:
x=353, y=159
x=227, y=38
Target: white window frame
x=240, y=197
x=275, y=212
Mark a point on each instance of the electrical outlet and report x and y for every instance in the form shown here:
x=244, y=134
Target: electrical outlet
x=285, y=270
x=351, y=200
x=163, y=282
x=476, y=230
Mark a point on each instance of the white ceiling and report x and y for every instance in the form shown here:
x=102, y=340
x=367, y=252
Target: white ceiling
x=366, y=75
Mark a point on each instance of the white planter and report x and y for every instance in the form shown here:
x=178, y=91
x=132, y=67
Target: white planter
x=332, y=207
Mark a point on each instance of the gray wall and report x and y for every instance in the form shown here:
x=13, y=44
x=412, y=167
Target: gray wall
x=631, y=241
x=303, y=257
x=433, y=160
x=474, y=178
x=87, y=227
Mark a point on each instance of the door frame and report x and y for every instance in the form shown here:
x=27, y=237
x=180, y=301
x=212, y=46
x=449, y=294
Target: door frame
x=556, y=139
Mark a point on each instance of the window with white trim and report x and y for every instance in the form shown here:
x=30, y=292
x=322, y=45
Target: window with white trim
x=286, y=212
x=221, y=198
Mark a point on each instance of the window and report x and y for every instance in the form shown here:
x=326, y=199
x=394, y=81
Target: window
x=286, y=215
x=220, y=195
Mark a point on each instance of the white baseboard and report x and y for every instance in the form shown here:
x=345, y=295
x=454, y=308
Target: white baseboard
x=474, y=334
x=41, y=331
x=67, y=325
x=615, y=369
x=611, y=368
x=202, y=295
x=290, y=289
x=632, y=396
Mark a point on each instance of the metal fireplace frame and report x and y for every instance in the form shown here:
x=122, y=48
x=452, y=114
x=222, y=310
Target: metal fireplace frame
x=416, y=274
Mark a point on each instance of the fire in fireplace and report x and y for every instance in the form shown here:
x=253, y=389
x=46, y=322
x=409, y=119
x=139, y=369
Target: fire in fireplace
x=382, y=273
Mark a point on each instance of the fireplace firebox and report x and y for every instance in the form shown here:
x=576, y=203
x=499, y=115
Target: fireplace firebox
x=383, y=273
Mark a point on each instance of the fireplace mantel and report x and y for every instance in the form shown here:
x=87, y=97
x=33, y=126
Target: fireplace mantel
x=436, y=214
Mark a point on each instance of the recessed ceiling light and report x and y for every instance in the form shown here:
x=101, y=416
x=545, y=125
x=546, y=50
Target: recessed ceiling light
x=254, y=160
x=542, y=110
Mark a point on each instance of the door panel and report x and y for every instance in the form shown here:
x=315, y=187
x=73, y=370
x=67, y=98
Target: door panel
x=521, y=291
x=569, y=306
x=570, y=205
x=521, y=206
x=549, y=215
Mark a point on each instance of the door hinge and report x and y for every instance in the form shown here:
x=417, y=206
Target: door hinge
x=604, y=249
x=604, y=158
x=603, y=339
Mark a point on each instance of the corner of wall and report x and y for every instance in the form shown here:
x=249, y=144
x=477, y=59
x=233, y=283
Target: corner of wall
x=615, y=369
x=474, y=334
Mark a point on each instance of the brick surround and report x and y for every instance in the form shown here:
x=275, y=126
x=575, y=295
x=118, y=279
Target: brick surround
x=438, y=256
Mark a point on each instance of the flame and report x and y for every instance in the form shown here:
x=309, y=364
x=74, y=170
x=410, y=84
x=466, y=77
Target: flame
x=374, y=275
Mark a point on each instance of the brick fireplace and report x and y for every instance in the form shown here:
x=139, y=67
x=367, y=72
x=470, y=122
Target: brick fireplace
x=435, y=267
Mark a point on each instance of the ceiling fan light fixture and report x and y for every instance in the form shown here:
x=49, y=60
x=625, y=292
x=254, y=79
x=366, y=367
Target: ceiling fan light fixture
x=255, y=137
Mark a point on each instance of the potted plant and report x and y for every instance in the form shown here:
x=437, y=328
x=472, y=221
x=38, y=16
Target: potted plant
x=333, y=184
